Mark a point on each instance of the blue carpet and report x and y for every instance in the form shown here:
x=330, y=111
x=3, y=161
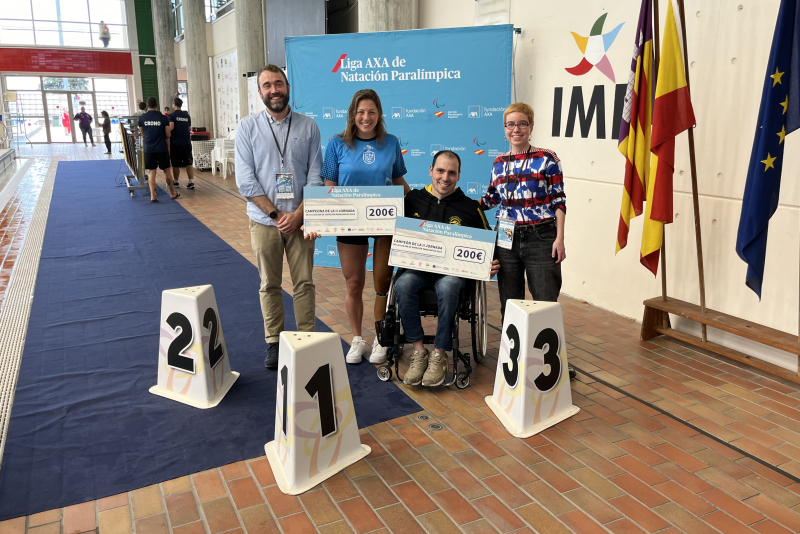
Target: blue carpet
x=83, y=424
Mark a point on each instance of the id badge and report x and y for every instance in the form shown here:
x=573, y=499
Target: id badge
x=505, y=233
x=284, y=186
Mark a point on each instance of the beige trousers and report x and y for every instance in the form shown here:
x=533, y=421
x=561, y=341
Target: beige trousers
x=269, y=246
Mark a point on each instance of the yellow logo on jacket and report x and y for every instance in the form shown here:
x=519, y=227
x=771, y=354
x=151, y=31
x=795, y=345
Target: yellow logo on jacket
x=455, y=220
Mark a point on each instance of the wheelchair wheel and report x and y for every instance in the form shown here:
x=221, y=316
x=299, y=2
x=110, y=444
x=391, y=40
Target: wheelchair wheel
x=462, y=380
x=479, y=325
x=384, y=373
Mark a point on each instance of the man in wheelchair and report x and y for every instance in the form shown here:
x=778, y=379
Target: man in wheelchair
x=441, y=202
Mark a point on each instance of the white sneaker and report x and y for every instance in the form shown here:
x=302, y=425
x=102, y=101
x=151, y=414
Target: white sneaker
x=378, y=352
x=357, y=348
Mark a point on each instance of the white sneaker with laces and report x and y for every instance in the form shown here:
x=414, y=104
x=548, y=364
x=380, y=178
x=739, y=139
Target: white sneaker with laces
x=357, y=348
x=378, y=352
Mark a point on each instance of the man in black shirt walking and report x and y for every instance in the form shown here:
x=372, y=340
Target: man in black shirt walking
x=154, y=127
x=180, y=145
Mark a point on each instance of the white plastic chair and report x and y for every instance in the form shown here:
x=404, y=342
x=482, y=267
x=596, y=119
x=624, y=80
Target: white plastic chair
x=229, y=159
x=223, y=153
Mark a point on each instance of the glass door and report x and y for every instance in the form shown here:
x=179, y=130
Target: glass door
x=60, y=123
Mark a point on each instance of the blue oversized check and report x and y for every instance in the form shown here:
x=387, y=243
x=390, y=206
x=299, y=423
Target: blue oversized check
x=442, y=248
x=352, y=210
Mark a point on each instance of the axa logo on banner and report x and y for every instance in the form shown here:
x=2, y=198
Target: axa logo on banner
x=594, y=49
x=345, y=64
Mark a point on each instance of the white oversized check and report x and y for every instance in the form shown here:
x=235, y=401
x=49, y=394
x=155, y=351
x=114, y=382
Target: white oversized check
x=352, y=210
x=442, y=248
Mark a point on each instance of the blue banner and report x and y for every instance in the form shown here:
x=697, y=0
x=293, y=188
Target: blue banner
x=439, y=89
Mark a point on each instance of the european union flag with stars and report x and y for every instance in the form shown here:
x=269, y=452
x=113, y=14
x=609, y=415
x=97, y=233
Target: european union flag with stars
x=779, y=116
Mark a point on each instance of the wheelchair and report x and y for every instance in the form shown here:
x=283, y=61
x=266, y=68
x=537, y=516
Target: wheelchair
x=471, y=309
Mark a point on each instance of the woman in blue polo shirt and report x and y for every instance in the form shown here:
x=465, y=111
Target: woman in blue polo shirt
x=364, y=154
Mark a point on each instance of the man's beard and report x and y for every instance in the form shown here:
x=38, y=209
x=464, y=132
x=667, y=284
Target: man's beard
x=277, y=107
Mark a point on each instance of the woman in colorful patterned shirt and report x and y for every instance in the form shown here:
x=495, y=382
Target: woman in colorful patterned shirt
x=364, y=154
x=527, y=186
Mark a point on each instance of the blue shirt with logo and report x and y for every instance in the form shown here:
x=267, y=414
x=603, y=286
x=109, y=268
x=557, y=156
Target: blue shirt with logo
x=368, y=163
x=181, y=132
x=154, y=123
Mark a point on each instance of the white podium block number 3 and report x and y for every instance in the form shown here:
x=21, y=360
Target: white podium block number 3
x=316, y=432
x=532, y=390
x=198, y=363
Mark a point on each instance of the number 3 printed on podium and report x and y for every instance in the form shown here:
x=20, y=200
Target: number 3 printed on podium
x=543, y=382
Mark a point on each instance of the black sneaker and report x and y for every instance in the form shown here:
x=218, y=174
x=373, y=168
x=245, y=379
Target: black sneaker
x=190, y=185
x=176, y=184
x=272, y=356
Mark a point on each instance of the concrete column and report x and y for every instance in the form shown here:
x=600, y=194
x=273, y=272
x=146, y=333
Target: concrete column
x=163, y=35
x=197, y=70
x=386, y=15
x=249, y=45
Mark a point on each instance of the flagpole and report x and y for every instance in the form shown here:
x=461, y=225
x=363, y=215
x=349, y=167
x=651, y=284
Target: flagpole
x=656, y=59
x=693, y=164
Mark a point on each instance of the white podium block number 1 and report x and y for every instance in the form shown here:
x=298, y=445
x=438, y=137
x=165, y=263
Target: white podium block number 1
x=532, y=390
x=193, y=367
x=316, y=432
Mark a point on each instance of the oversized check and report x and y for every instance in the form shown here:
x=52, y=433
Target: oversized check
x=352, y=210
x=442, y=248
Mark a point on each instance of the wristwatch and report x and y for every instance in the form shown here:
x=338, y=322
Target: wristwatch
x=273, y=214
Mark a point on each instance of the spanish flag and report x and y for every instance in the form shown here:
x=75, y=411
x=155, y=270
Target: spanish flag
x=672, y=114
x=634, y=131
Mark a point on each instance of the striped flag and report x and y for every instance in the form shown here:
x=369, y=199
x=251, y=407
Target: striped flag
x=672, y=114
x=634, y=132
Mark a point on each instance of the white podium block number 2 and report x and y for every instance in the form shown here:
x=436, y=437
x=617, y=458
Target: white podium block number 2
x=532, y=390
x=316, y=432
x=193, y=365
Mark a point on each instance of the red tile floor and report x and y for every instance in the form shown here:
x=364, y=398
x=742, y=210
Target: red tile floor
x=668, y=439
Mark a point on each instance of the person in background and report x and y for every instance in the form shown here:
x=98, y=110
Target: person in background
x=66, y=123
x=154, y=127
x=106, y=130
x=167, y=111
x=85, y=124
x=142, y=108
x=105, y=34
x=180, y=144
x=364, y=154
x=268, y=158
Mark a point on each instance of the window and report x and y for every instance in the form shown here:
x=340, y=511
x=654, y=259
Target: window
x=73, y=23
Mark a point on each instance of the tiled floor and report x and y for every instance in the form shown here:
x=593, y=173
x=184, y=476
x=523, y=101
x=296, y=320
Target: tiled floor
x=621, y=464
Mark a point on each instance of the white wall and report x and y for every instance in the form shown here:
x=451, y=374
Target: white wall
x=728, y=52
x=446, y=13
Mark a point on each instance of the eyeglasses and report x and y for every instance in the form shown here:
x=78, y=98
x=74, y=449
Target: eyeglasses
x=522, y=124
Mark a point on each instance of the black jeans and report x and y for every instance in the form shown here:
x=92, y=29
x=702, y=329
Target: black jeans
x=531, y=255
x=84, y=131
x=107, y=141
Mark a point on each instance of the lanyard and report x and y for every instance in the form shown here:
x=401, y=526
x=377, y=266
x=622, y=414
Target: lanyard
x=516, y=179
x=281, y=151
